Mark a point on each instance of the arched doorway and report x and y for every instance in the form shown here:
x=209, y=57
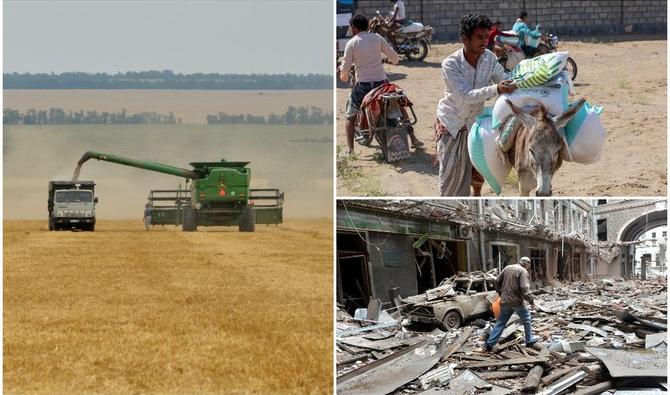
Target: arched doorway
x=633, y=230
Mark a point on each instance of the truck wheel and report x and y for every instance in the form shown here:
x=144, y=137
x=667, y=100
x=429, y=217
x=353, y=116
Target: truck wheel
x=91, y=227
x=51, y=224
x=451, y=320
x=248, y=220
x=190, y=223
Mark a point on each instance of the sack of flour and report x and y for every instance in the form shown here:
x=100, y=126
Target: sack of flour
x=586, y=135
x=509, y=37
x=539, y=70
x=554, y=99
x=484, y=153
x=530, y=41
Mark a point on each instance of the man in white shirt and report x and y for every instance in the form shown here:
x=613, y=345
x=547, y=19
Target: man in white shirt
x=398, y=15
x=365, y=51
x=471, y=76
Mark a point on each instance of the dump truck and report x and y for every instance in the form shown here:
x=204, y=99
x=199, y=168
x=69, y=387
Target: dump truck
x=71, y=205
x=215, y=194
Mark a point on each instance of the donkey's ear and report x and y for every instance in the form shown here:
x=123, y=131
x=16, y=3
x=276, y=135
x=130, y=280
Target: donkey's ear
x=541, y=112
x=561, y=120
x=526, y=119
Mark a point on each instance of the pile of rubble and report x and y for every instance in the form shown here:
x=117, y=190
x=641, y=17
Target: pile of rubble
x=598, y=337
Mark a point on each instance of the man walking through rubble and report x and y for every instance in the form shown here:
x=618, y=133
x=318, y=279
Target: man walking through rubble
x=514, y=287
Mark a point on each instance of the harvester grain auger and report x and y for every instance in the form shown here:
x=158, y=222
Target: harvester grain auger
x=216, y=194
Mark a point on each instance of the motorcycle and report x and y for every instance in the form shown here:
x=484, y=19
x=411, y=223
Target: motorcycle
x=384, y=116
x=411, y=40
x=509, y=52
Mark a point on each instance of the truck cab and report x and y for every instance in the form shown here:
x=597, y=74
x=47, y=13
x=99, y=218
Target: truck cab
x=71, y=205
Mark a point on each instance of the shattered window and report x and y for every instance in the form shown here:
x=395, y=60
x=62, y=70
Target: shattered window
x=461, y=286
x=504, y=254
x=577, y=264
x=538, y=261
x=477, y=287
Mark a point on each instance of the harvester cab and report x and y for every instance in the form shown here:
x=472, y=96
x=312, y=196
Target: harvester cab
x=216, y=194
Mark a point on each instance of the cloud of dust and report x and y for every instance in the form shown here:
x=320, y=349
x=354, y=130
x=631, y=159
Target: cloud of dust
x=35, y=155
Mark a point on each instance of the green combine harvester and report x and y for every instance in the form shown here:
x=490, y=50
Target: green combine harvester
x=216, y=194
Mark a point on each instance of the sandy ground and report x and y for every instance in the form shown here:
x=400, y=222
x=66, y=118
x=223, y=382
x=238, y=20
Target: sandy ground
x=125, y=311
x=628, y=78
x=191, y=106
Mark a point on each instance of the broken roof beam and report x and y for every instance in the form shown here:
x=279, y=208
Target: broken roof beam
x=555, y=375
x=502, y=374
x=505, y=362
x=564, y=383
x=589, y=328
x=533, y=379
x=455, y=346
x=595, y=389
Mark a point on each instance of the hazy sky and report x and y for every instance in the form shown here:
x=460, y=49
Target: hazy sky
x=252, y=36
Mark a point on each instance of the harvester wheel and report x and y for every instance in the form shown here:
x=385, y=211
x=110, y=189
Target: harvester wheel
x=248, y=220
x=190, y=223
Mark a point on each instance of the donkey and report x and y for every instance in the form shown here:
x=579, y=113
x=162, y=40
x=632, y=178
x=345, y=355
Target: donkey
x=538, y=147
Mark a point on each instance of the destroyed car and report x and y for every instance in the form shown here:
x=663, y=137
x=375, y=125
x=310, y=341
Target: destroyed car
x=454, y=301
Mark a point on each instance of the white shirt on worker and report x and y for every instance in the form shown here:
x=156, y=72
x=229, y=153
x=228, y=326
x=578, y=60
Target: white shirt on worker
x=466, y=88
x=401, y=10
x=364, y=50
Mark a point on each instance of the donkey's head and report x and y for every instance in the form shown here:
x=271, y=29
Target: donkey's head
x=544, y=143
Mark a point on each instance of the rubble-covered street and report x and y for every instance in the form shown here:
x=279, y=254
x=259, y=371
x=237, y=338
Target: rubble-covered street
x=604, y=336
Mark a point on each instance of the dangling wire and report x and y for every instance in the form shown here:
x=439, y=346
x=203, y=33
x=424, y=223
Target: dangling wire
x=388, y=234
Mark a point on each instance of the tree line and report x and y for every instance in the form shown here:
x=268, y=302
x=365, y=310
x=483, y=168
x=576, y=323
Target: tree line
x=293, y=116
x=58, y=116
x=166, y=79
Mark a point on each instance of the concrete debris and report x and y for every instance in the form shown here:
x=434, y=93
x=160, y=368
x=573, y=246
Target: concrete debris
x=438, y=377
x=555, y=306
x=632, y=363
x=469, y=383
x=597, y=337
x=569, y=347
x=656, y=340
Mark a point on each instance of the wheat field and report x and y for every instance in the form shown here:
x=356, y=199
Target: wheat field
x=125, y=311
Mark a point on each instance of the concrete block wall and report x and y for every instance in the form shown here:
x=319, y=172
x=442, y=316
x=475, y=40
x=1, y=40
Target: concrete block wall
x=560, y=17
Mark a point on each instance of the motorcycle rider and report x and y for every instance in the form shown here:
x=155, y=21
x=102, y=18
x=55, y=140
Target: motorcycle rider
x=522, y=29
x=471, y=76
x=364, y=50
x=397, y=18
x=492, y=35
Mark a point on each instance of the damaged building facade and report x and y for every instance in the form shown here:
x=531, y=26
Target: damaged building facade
x=413, y=245
x=633, y=223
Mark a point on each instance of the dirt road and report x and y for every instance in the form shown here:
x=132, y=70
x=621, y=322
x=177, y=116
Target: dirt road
x=125, y=311
x=627, y=78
